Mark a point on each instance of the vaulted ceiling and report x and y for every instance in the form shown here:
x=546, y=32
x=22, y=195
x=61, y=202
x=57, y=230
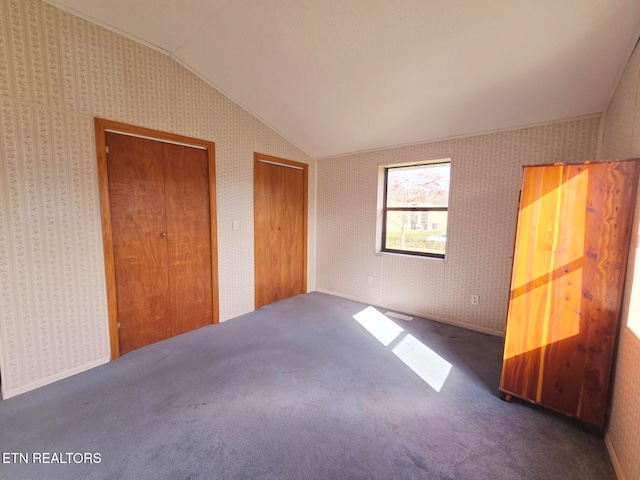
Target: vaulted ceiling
x=339, y=76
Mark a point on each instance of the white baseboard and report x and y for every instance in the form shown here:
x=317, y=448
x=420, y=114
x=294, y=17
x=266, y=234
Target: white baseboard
x=488, y=331
x=54, y=378
x=614, y=458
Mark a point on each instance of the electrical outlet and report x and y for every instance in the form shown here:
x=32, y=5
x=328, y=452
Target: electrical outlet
x=369, y=280
x=234, y=225
x=475, y=300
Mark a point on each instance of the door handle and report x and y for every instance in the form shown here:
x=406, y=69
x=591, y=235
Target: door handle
x=163, y=234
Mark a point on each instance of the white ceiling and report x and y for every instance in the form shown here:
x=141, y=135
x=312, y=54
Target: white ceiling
x=339, y=76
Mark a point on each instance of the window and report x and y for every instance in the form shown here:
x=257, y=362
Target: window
x=633, y=279
x=415, y=209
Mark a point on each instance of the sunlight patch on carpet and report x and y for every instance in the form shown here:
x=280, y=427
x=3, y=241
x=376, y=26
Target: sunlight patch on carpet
x=381, y=327
x=422, y=360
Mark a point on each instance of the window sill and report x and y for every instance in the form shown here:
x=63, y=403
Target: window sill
x=406, y=255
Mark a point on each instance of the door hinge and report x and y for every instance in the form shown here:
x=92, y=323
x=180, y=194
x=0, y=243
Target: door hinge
x=106, y=148
x=118, y=324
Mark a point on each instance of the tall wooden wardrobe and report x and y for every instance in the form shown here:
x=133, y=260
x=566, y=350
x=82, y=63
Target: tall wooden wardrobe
x=569, y=265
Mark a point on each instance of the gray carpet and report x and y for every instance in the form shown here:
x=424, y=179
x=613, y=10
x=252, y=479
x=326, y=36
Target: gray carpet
x=296, y=390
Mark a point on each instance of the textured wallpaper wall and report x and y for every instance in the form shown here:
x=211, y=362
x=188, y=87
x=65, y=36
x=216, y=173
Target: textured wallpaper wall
x=622, y=140
x=57, y=72
x=485, y=181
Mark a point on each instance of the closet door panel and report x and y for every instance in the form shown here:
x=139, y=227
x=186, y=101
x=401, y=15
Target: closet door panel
x=293, y=225
x=136, y=195
x=188, y=237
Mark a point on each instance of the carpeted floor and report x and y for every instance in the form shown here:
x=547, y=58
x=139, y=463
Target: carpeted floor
x=298, y=390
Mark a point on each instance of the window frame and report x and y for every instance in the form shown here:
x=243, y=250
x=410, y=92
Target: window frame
x=385, y=209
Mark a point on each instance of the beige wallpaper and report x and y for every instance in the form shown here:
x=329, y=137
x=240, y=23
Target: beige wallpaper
x=57, y=72
x=622, y=140
x=485, y=181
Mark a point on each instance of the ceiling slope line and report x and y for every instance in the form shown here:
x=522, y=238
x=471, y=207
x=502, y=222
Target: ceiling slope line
x=194, y=33
x=623, y=65
x=464, y=135
x=173, y=57
x=240, y=104
x=106, y=26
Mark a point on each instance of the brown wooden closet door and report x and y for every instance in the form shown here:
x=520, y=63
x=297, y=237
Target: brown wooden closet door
x=280, y=234
x=137, y=202
x=188, y=237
